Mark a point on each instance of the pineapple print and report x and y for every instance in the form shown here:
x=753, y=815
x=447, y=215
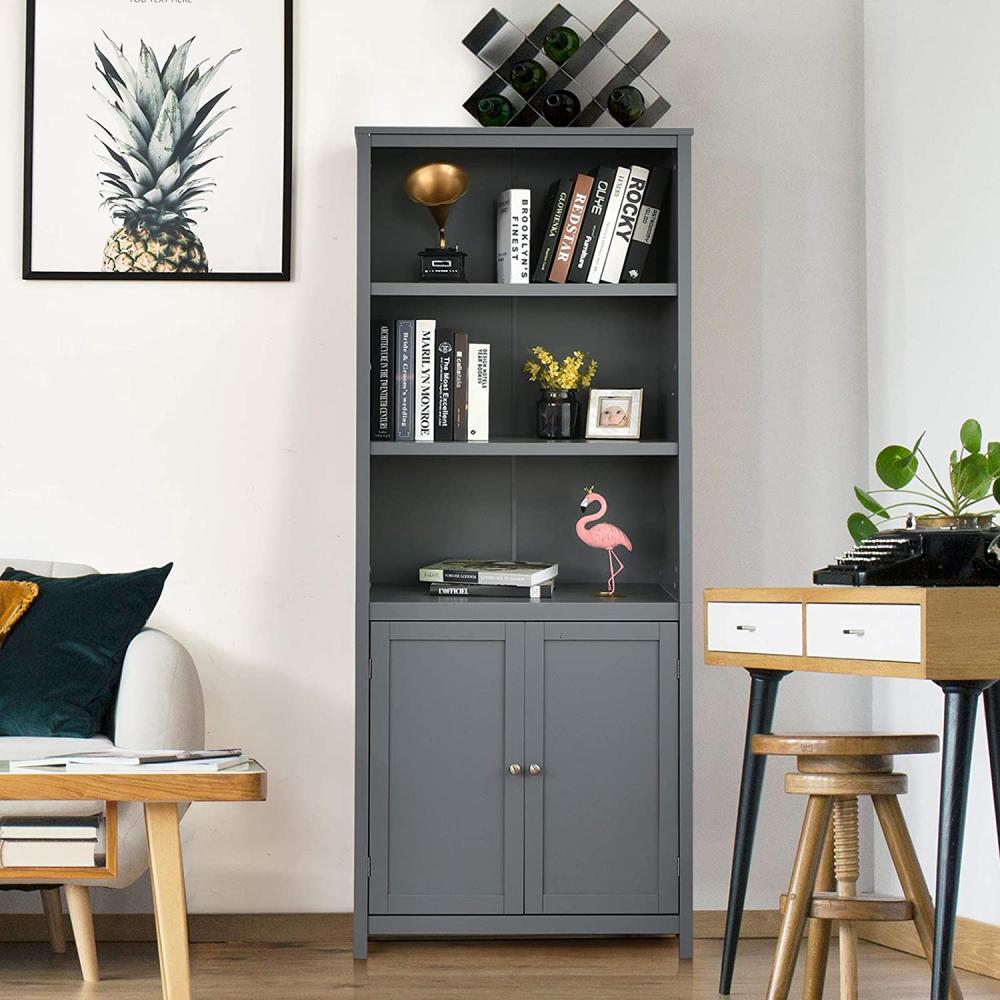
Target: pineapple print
x=157, y=134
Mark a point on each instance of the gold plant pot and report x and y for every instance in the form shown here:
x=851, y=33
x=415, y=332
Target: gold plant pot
x=967, y=521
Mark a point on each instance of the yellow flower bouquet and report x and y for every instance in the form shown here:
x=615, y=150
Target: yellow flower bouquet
x=575, y=371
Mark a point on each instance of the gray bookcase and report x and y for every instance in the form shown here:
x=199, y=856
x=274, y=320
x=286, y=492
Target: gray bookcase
x=453, y=695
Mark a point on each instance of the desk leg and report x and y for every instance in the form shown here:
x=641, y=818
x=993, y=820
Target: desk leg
x=992, y=699
x=763, y=695
x=960, y=706
x=166, y=868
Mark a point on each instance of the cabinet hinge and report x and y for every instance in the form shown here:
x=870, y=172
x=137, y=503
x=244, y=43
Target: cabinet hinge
x=369, y=867
x=369, y=668
x=678, y=668
x=678, y=867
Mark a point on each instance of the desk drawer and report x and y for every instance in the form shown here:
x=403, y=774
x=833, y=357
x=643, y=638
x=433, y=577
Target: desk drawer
x=751, y=627
x=864, y=631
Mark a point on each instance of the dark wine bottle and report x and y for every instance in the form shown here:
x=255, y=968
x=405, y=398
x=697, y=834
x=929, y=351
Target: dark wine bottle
x=561, y=108
x=561, y=43
x=626, y=105
x=527, y=76
x=495, y=110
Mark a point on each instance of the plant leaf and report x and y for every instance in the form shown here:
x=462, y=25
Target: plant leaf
x=126, y=130
x=175, y=68
x=198, y=153
x=993, y=457
x=189, y=103
x=861, y=526
x=121, y=64
x=896, y=466
x=149, y=92
x=165, y=135
x=972, y=477
x=971, y=436
x=996, y=490
x=870, y=503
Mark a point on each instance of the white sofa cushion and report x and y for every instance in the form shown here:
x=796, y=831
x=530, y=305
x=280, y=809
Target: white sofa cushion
x=28, y=748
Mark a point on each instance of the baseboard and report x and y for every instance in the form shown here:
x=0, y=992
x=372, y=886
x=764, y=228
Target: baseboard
x=977, y=944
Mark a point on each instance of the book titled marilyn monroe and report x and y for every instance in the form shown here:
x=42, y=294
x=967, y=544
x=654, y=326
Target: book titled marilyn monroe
x=489, y=572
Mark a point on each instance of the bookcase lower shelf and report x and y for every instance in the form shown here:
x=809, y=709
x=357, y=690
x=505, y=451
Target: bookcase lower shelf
x=570, y=602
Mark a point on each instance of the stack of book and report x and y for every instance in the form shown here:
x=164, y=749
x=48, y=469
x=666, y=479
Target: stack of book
x=69, y=842
x=595, y=227
x=137, y=761
x=488, y=578
x=428, y=384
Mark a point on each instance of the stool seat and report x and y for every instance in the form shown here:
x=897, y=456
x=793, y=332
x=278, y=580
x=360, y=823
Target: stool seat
x=844, y=744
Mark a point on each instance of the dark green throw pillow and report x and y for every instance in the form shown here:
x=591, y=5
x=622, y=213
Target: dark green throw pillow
x=60, y=666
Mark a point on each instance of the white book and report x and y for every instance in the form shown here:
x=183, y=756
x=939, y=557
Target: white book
x=611, y=209
x=128, y=758
x=180, y=766
x=54, y=828
x=490, y=573
x=48, y=853
x=424, y=380
x=478, y=381
x=514, y=236
x=625, y=225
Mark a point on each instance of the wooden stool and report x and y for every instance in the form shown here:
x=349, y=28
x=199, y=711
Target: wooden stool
x=833, y=770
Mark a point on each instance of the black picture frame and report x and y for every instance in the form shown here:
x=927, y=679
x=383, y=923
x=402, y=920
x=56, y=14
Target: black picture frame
x=28, y=273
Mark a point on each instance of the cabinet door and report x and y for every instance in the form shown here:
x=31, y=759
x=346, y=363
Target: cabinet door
x=447, y=721
x=601, y=816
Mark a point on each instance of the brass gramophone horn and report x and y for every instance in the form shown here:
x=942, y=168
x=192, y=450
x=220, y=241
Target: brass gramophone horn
x=437, y=186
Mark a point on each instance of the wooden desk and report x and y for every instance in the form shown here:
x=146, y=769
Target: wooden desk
x=948, y=635
x=160, y=793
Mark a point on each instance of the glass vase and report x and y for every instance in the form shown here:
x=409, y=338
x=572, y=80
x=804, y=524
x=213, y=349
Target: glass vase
x=557, y=413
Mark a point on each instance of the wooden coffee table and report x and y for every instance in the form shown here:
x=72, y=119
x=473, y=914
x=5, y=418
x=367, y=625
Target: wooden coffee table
x=160, y=794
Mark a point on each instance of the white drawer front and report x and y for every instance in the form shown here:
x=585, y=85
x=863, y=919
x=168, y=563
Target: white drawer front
x=864, y=631
x=749, y=627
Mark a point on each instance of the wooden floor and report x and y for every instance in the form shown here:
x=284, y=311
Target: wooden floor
x=494, y=970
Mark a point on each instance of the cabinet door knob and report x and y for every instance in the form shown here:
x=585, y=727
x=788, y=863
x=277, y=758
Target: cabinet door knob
x=535, y=769
x=514, y=769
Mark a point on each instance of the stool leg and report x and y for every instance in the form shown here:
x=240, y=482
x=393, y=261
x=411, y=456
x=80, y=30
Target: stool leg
x=992, y=699
x=847, y=867
x=763, y=696
x=818, y=944
x=800, y=889
x=911, y=875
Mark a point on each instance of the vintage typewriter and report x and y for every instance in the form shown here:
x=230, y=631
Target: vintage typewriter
x=920, y=557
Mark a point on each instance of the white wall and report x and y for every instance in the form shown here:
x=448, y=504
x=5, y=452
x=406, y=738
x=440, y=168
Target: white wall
x=931, y=94
x=212, y=425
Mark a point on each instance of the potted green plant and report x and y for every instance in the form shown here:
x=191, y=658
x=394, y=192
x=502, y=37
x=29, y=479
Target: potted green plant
x=559, y=381
x=974, y=476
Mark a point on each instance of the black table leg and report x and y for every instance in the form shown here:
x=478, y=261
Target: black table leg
x=960, y=705
x=992, y=699
x=763, y=695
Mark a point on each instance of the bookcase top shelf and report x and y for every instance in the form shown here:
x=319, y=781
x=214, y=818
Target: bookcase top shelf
x=569, y=602
x=651, y=289
x=526, y=447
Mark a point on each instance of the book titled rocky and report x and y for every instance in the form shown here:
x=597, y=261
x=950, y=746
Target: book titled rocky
x=514, y=237
x=586, y=242
x=404, y=379
x=575, y=211
x=383, y=405
x=423, y=380
x=538, y=592
x=653, y=200
x=553, y=216
x=489, y=573
x=479, y=392
x=625, y=226
x=603, y=242
x=461, y=381
x=444, y=385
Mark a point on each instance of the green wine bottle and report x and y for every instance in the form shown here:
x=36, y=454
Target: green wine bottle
x=494, y=111
x=561, y=108
x=527, y=76
x=561, y=43
x=626, y=105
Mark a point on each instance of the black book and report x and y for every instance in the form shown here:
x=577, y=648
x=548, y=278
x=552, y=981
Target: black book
x=653, y=200
x=543, y=590
x=553, y=216
x=444, y=386
x=383, y=374
x=579, y=269
x=404, y=380
x=461, y=387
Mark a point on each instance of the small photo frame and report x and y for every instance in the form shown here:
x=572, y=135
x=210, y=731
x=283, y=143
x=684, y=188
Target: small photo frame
x=614, y=413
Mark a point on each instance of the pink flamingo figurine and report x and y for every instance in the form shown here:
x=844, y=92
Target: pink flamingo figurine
x=602, y=536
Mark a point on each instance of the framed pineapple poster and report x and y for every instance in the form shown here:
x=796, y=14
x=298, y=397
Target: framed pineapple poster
x=158, y=139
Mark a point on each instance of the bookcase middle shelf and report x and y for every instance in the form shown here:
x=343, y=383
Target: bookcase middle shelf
x=441, y=289
x=526, y=446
